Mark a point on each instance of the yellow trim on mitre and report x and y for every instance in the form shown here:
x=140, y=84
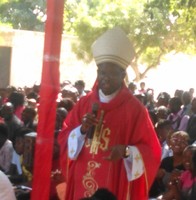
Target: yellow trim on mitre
x=113, y=46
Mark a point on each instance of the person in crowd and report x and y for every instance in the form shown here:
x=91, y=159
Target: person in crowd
x=8, y=90
x=186, y=103
x=132, y=87
x=172, y=166
x=162, y=113
x=66, y=103
x=6, y=188
x=187, y=180
x=69, y=91
x=142, y=89
x=191, y=127
x=141, y=97
x=191, y=92
x=106, y=135
x=18, y=100
x=178, y=93
x=11, y=120
x=178, y=119
x=183, y=187
x=150, y=102
x=164, y=129
x=80, y=86
x=61, y=114
x=26, y=175
x=57, y=178
x=28, y=118
x=6, y=149
x=163, y=99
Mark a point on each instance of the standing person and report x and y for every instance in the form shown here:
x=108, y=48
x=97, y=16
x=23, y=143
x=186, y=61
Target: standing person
x=142, y=89
x=191, y=127
x=178, y=119
x=186, y=100
x=80, y=86
x=116, y=157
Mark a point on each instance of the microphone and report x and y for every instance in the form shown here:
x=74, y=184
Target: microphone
x=95, y=108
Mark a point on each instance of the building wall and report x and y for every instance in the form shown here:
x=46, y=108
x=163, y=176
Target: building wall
x=27, y=54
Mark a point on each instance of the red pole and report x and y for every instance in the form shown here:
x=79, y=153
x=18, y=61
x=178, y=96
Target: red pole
x=48, y=94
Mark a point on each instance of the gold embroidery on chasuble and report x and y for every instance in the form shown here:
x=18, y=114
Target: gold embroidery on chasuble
x=100, y=137
x=88, y=181
x=100, y=141
x=137, y=158
x=72, y=150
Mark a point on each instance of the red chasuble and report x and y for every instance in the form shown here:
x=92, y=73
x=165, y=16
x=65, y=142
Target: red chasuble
x=126, y=121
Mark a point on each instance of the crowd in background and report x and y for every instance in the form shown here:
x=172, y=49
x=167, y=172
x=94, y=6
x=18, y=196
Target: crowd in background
x=173, y=117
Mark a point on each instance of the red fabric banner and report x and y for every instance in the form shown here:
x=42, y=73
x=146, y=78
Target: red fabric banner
x=48, y=94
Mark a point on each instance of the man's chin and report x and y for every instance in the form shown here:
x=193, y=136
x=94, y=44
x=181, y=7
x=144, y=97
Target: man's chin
x=106, y=92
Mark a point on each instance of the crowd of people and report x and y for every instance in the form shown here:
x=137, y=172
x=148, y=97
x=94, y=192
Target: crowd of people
x=116, y=141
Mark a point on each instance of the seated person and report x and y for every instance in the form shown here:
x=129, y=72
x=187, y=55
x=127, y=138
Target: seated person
x=6, y=189
x=6, y=149
x=171, y=166
x=16, y=176
x=183, y=187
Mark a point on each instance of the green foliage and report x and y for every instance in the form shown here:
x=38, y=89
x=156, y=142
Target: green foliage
x=23, y=14
x=155, y=27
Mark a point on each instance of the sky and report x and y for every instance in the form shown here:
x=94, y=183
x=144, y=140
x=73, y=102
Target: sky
x=177, y=72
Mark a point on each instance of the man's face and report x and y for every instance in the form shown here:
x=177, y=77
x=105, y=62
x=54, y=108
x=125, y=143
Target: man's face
x=110, y=77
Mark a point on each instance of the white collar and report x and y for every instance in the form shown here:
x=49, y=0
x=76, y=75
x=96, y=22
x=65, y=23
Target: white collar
x=107, y=98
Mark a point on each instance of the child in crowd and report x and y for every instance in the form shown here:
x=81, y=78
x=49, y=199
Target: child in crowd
x=164, y=129
x=15, y=175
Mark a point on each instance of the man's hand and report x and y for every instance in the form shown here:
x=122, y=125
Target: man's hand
x=88, y=121
x=116, y=152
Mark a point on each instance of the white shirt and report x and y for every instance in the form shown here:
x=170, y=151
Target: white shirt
x=16, y=161
x=6, y=153
x=6, y=189
x=166, y=151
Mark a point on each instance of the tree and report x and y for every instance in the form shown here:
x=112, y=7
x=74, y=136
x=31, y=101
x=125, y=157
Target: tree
x=155, y=27
x=23, y=14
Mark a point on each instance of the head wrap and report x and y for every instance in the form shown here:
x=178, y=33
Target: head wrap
x=113, y=46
